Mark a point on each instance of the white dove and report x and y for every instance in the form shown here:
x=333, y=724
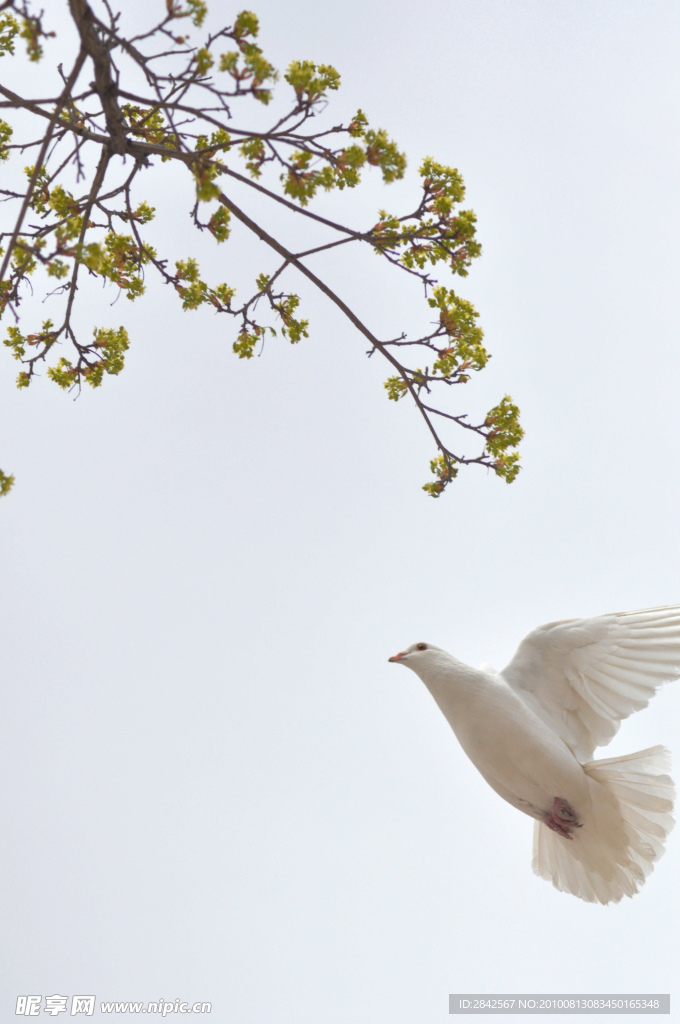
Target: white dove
x=532, y=729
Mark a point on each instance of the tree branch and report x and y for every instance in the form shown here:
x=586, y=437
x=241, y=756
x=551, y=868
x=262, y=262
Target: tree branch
x=107, y=90
x=66, y=91
x=351, y=316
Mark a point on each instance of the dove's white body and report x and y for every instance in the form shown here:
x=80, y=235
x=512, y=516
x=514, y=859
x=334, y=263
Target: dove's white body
x=531, y=731
x=518, y=755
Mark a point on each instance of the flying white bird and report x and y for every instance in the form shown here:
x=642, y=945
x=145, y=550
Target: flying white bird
x=532, y=729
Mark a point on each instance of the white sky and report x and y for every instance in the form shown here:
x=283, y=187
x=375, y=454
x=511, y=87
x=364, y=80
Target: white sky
x=214, y=787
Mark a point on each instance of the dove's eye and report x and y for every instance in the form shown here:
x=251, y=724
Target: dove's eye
x=421, y=647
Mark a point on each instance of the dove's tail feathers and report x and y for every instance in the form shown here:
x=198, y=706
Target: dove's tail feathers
x=623, y=834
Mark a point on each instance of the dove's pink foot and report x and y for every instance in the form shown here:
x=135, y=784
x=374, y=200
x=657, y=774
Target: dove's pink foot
x=562, y=819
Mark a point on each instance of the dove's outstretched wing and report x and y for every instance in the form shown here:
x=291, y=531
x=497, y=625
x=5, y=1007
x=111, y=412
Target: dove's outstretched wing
x=583, y=676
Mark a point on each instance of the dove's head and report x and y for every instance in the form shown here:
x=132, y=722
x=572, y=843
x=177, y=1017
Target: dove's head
x=419, y=657
x=431, y=664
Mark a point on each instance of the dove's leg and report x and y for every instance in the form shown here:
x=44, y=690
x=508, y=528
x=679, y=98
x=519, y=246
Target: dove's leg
x=562, y=819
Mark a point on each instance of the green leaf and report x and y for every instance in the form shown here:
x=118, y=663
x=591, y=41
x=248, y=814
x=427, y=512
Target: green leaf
x=247, y=341
x=383, y=153
x=505, y=432
x=9, y=29
x=5, y=136
x=246, y=24
x=6, y=483
x=358, y=125
x=204, y=60
x=218, y=225
x=446, y=470
x=195, y=9
x=396, y=388
x=63, y=374
x=311, y=82
x=458, y=318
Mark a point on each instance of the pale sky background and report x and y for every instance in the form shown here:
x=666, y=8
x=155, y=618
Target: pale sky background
x=214, y=787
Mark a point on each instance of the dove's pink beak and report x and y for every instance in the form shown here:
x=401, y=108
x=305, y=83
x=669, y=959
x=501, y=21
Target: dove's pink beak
x=397, y=657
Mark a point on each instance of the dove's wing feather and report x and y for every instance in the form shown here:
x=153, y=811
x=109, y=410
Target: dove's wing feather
x=583, y=676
